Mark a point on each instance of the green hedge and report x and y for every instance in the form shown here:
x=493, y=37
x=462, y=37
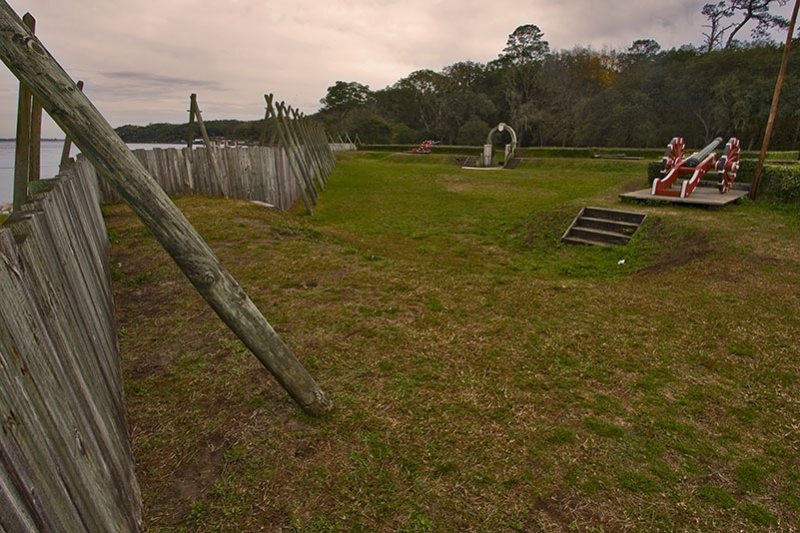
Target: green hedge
x=558, y=151
x=779, y=181
x=436, y=149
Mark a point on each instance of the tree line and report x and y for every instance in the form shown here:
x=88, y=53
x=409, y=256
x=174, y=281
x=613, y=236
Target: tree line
x=641, y=96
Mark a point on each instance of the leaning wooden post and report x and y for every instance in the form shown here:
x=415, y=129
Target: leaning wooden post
x=27, y=58
x=212, y=161
x=309, y=148
x=293, y=146
x=776, y=98
x=190, y=130
x=292, y=163
x=301, y=143
x=67, y=142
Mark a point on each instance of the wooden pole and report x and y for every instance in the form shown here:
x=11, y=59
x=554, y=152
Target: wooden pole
x=30, y=62
x=212, y=161
x=23, y=140
x=776, y=98
x=190, y=131
x=35, y=137
x=300, y=149
x=67, y=141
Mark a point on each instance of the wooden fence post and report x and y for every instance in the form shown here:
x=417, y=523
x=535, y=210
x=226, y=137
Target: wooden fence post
x=23, y=140
x=33, y=65
x=190, y=131
x=35, y=136
x=68, y=142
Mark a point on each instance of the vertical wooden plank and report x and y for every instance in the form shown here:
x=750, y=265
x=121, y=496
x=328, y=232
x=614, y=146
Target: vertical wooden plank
x=188, y=169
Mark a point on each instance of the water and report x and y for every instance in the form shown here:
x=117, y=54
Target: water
x=51, y=157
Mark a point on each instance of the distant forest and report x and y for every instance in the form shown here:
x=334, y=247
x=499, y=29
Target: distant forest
x=639, y=97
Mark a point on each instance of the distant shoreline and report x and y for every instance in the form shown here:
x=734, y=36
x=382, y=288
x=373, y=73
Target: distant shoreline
x=12, y=140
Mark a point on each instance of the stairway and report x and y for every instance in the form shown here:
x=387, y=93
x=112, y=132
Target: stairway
x=603, y=227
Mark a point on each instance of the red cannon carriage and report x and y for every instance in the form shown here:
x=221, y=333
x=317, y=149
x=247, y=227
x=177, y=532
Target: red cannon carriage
x=425, y=147
x=675, y=165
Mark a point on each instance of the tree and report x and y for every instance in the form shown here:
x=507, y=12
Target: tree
x=640, y=50
x=716, y=29
x=525, y=45
x=344, y=96
x=473, y=133
x=426, y=87
x=757, y=11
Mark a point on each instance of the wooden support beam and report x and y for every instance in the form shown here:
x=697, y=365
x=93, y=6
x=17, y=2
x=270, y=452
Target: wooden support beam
x=282, y=139
x=268, y=134
x=190, y=130
x=212, y=161
x=33, y=65
x=67, y=141
x=293, y=146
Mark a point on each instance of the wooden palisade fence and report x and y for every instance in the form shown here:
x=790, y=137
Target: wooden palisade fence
x=65, y=462
x=258, y=173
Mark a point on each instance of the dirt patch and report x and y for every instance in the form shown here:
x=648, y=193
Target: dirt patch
x=676, y=252
x=193, y=478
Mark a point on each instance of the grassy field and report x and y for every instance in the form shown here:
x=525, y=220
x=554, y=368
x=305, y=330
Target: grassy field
x=486, y=377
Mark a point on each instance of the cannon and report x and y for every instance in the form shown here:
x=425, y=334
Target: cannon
x=424, y=147
x=675, y=165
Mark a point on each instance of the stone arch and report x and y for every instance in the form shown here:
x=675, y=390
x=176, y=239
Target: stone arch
x=502, y=127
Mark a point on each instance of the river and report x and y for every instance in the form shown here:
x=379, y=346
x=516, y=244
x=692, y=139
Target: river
x=51, y=156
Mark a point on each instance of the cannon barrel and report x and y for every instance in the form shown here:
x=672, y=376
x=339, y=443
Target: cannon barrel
x=695, y=159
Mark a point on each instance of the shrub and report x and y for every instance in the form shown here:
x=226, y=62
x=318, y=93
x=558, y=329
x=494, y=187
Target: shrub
x=473, y=132
x=404, y=134
x=781, y=182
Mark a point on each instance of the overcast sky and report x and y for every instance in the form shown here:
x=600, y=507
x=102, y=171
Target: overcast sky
x=140, y=59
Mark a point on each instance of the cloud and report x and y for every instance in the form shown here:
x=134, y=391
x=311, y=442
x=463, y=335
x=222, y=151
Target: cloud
x=141, y=59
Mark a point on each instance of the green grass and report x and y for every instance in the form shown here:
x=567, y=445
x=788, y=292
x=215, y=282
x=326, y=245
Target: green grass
x=486, y=376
